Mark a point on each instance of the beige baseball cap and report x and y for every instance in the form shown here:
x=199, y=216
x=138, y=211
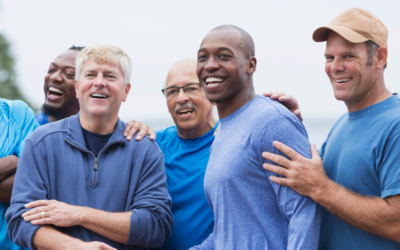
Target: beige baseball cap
x=356, y=25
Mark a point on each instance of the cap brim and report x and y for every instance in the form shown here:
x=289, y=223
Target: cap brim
x=321, y=34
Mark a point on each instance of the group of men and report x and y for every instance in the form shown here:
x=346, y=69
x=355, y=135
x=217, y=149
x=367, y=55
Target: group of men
x=82, y=183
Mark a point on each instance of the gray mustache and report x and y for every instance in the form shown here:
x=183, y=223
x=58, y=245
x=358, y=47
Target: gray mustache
x=185, y=106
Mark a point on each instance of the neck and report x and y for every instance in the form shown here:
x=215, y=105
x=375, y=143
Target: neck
x=230, y=105
x=196, y=132
x=68, y=110
x=376, y=94
x=98, y=124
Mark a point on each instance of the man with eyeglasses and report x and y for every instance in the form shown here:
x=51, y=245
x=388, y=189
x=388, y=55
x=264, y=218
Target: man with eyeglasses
x=186, y=149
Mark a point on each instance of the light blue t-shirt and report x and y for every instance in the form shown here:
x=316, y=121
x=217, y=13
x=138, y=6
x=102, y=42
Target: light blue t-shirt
x=362, y=153
x=250, y=211
x=42, y=118
x=185, y=166
x=16, y=124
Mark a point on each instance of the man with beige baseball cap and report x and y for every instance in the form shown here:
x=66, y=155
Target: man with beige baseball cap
x=355, y=176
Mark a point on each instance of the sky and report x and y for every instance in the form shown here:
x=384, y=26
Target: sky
x=155, y=34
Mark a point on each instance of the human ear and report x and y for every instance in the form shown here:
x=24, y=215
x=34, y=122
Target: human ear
x=251, y=65
x=382, y=54
x=126, y=91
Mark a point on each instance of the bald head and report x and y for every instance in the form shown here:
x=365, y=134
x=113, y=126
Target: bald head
x=246, y=42
x=182, y=69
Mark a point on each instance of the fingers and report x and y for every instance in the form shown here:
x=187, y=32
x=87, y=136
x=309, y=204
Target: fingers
x=280, y=181
x=267, y=94
x=36, y=210
x=151, y=133
x=217, y=129
x=278, y=159
x=314, y=152
x=142, y=132
x=297, y=113
x=38, y=217
x=276, y=169
x=131, y=128
x=44, y=221
x=38, y=203
x=293, y=155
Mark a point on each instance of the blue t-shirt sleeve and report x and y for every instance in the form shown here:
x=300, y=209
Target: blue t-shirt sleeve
x=389, y=173
x=26, y=123
x=302, y=213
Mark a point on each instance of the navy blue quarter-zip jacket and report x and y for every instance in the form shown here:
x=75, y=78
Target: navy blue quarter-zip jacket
x=126, y=176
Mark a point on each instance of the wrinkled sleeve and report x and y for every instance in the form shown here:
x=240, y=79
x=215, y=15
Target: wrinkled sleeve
x=302, y=213
x=208, y=244
x=29, y=185
x=389, y=171
x=26, y=123
x=151, y=219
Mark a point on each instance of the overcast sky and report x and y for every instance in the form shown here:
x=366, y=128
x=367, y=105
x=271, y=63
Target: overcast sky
x=155, y=34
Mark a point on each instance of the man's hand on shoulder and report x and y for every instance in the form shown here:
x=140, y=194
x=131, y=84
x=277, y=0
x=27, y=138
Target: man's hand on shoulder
x=287, y=100
x=53, y=212
x=134, y=126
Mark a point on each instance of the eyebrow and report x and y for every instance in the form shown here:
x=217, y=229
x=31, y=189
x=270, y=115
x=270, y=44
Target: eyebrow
x=220, y=48
x=174, y=86
x=68, y=67
x=342, y=54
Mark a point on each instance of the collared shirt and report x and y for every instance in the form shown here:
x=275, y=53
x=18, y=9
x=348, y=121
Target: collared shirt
x=16, y=124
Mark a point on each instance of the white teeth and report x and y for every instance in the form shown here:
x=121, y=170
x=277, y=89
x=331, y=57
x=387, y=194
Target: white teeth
x=343, y=80
x=213, y=84
x=214, y=79
x=185, y=110
x=55, y=90
x=99, y=95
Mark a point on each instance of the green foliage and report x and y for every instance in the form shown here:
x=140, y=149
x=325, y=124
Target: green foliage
x=8, y=85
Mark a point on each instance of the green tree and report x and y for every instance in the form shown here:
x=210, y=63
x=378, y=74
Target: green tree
x=8, y=85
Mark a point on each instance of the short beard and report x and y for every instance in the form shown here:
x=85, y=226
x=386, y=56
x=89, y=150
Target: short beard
x=52, y=111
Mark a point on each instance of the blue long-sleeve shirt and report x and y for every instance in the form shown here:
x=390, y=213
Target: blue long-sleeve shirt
x=251, y=211
x=130, y=176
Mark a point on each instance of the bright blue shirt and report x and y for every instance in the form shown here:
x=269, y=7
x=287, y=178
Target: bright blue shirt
x=250, y=211
x=362, y=153
x=16, y=124
x=185, y=166
x=42, y=118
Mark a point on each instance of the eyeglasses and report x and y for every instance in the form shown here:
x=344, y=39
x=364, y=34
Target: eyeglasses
x=188, y=89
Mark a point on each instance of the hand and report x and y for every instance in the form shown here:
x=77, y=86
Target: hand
x=133, y=126
x=55, y=213
x=217, y=129
x=94, y=245
x=306, y=176
x=287, y=100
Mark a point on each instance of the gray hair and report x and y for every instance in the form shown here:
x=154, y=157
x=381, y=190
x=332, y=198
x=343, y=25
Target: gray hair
x=186, y=60
x=372, y=47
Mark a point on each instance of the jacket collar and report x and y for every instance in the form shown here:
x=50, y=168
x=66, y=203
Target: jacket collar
x=75, y=134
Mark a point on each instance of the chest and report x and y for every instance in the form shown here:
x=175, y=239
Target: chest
x=353, y=157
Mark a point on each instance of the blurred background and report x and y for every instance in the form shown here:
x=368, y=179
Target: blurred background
x=155, y=34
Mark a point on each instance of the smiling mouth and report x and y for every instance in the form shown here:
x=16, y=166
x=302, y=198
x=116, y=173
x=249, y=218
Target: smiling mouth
x=214, y=81
x=55, y=92
x=185, y=111
x=342, y=80
x=99, y=96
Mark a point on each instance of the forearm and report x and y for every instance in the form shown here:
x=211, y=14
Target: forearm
x=5, y=188
x=114, y=226
x=8, y=166
x=48, y=238
x=371, y=214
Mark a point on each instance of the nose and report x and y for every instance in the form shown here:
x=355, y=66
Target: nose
x=56, y=77
x=211, y=64
x=337, y=65
x=99, y=81
x=182, y=97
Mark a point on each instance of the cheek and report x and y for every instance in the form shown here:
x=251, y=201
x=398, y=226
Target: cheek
x=327, y=68
x=171, y=106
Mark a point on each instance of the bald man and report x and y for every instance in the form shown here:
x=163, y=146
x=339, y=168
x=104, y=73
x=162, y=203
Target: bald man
x=186, y=149
x=250, y=211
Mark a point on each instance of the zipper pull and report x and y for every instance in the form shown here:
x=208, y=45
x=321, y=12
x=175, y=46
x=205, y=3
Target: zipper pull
x=95, y=164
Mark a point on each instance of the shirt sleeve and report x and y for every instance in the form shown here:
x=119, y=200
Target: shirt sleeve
x=151, y=219
x=389, y=173
x=29, y=185
x=26, y=123
x=208, y=244
x=302, y=213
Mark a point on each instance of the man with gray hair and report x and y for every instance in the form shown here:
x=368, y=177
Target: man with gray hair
x=356, y=174
x=73, y=190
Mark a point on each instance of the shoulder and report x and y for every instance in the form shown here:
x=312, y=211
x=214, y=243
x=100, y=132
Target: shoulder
x=18, y=111
x=49, y=130
x=165, y=134
x=144, y=146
